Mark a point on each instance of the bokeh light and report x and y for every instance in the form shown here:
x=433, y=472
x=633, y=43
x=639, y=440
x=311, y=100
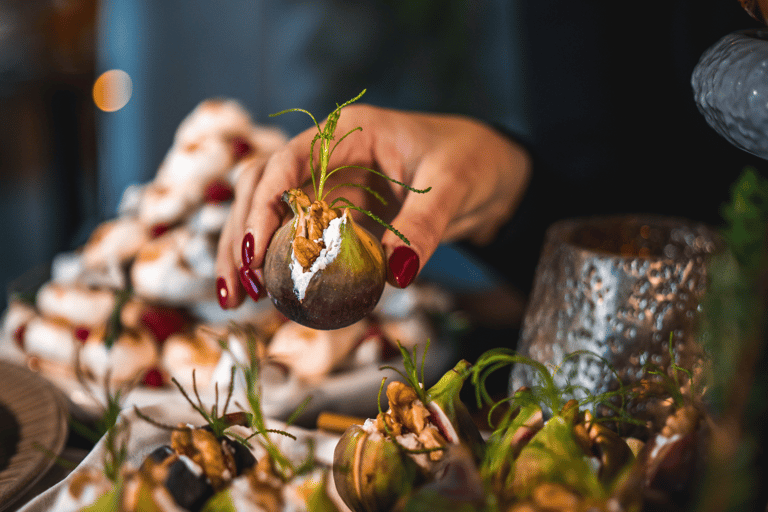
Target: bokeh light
x=112, y=90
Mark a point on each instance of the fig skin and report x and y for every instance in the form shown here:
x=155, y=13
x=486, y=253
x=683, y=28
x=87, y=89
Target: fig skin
x=342, y=293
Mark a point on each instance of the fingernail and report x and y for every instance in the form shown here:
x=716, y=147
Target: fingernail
x=221, y=292
x=250, y=282
x=404, y=264
x=247, y=249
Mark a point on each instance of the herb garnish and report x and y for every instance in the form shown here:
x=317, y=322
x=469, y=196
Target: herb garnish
x=319, y=176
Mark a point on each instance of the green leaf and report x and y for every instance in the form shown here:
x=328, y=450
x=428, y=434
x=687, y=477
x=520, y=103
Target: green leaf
x=348, y=204
x=553, y=455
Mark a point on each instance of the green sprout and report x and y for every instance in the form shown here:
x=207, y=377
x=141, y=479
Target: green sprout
x=217, y=421
x=546, y=392
x=281, y=464
x=412, y=375
x=320, y=174
x=106, y=425
x=671, y=383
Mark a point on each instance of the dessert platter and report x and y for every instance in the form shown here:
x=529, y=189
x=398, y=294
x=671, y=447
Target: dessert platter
x=197, y=406
x=424, y=452
x=135, y=307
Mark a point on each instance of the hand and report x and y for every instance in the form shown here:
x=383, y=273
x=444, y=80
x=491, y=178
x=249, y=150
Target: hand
x=477, y=176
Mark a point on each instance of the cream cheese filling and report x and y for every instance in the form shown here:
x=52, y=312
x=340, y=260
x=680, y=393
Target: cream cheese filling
x=332, y=240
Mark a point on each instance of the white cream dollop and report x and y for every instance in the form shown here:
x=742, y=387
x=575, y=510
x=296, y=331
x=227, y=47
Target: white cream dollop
x=332, y=240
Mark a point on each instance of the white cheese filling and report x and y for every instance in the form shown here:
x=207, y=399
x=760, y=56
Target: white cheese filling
x=332, y=240
x=662, y=441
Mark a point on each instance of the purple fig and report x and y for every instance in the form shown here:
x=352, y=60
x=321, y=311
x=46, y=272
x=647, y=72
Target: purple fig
x=322, y=269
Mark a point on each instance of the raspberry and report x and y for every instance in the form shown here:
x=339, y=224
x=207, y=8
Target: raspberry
x=162, y=322
x=82, y=333
x=153, y=378
x=18, y=336
x=218, y=192
x=158, y=230
x=241, y=147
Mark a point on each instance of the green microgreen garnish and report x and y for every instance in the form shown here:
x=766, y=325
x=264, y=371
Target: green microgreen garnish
x=106, y=425
x=281, y=464
x=545, y=391
x=217, y=421
x=671, y=383
x=412, y=375
x=114, y=325
x=320, y=174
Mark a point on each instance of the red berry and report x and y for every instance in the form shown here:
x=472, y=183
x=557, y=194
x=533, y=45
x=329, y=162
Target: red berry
x=218, y=191
x=18, y=336
x=82, y=333
x=241, y=147
x=158, y=230
x=162, y=322
x=153, y=378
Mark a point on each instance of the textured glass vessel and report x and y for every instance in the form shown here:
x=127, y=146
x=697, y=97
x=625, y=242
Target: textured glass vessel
x=619, y=288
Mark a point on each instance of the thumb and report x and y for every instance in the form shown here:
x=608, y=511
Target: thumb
x=422, y=221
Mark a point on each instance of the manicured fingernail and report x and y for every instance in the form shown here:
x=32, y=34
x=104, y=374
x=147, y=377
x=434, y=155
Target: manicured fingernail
x=250, y=282
x=247, y=250
x=221, y=292
x=404, y=264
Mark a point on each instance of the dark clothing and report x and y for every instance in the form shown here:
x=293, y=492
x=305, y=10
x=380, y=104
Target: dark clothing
x=613, y=126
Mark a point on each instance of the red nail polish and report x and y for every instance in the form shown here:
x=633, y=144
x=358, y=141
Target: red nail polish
x=221, y=292
x=250, y=282
x=247, y=249
x=404, y=264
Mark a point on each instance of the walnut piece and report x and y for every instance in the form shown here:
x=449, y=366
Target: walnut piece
x=407, y=414
x=205, y=450
x=313, y=219
x=306, y=251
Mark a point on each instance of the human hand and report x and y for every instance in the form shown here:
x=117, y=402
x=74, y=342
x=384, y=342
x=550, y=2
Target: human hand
x=477, y=178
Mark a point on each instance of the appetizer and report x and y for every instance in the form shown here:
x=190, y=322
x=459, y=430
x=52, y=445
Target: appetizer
x=322, y=269
x=547, y=451
x=233, y=462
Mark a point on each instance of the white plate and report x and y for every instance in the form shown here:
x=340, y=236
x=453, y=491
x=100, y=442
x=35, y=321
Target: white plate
x=351, y=392
x=143, y=438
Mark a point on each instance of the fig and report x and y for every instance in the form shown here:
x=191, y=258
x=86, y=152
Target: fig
x=370, y=471
x=379, y=462
x=322, y=269
x=323, y=276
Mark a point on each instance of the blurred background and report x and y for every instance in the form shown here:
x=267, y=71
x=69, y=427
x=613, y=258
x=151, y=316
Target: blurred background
x=91, y=92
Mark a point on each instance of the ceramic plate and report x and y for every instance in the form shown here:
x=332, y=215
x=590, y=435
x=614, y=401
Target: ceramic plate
x=34, y=420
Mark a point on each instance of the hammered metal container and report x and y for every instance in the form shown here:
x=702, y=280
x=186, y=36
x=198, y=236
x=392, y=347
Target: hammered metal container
x=617, y=287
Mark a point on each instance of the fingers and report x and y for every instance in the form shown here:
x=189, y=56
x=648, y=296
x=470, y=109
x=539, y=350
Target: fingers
x=256, y=214
x=228, y=289
x=422, y=220
x=477, y=178
x=286, y=169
